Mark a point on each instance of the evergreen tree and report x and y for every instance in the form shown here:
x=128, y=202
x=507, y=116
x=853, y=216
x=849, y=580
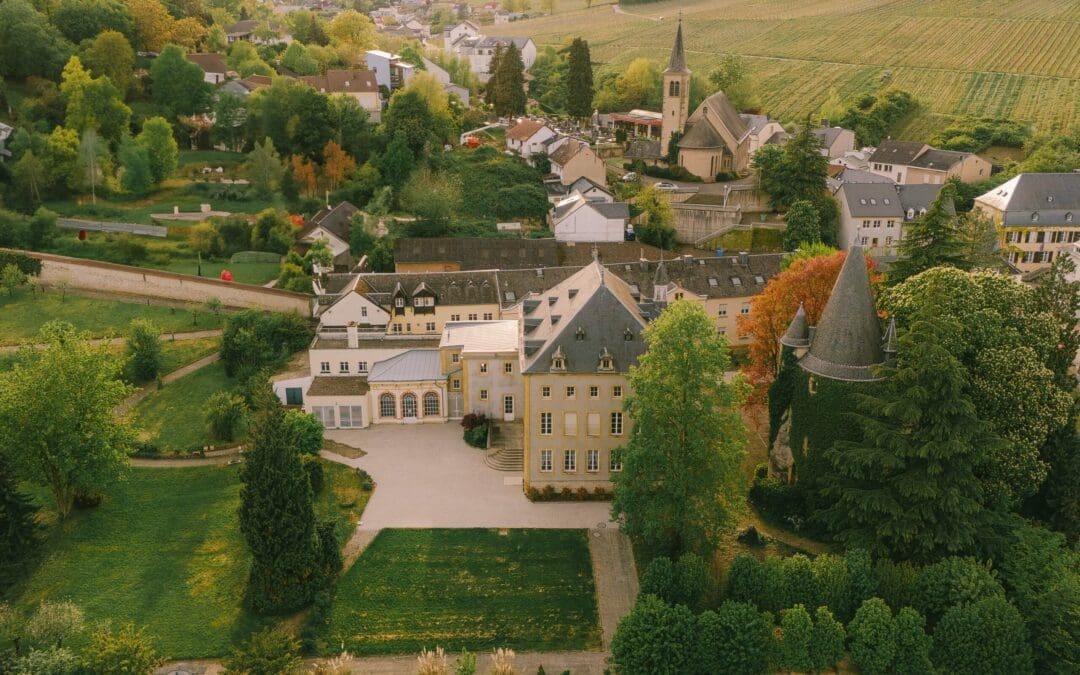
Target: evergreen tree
x=827, y=641
x=908, y=488
x=931, y=241
x=396, y=164
x=684, y=414
x=157, y=137
x=137, y=178
x=803, y=225
x=912, y=644
x=18, y=528
x=1058, y=294
x=264, y=168
x=510, y=83
x=654, y=637
x=579, y=80
x=492, y=89
x=734, y=639
x=873, y=637
x=143, y=347
x=797, y=171
x=797, y=633
x=987, y=636
x=277, y=517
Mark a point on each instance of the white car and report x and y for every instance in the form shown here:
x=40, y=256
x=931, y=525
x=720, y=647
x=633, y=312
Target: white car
x=666, y=187
x=630, y=177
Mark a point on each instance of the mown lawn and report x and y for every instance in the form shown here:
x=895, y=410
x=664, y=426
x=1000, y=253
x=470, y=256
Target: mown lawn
x=25, y=313
x=179, y=353
x=172, y=416
x=257, y=273
x=472, y=588
x=165, y=551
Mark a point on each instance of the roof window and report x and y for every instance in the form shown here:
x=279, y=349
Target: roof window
x=736, y=281
x=713, y=282
x=758, y=279
x=509, y=295
x=1035, y=217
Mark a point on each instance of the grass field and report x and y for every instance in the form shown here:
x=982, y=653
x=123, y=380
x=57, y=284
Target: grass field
x=179, y=353
x=25, y=313
x=172, y=417
x=965, y=57
x=165, y=551
x=479, y=589
x=243, y=273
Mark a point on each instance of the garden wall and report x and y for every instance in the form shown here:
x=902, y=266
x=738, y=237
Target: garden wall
x=139, y=282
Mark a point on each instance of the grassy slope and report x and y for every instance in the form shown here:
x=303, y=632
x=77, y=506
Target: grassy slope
x=980, y=57
x=173, y=416
x=182, y=352
x=165, y=551
x=25, y=313
x=526, y=589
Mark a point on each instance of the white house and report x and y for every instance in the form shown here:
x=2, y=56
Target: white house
x=390, y=71
x=215, y=70
x=872, y=215
x=332, y=226
x=578, y=219
x=453, y=34
x=528, y=137
x=836, y=142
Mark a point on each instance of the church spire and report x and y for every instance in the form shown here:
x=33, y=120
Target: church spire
x=678, y=55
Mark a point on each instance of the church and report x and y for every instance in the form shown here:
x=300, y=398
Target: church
x=713, y=139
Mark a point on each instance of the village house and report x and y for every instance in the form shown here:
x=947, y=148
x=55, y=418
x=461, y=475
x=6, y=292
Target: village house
x=359, y=84
x=873, y=215
x=390, y=71
x=579, y=219
x=332, y=226
x=528, y=137
x=258, y=32
x=835, y=141
x=1038, y=215
x=215, y=70
x=572, y=158
x=467, y=42
x=584, y=186
x=913, y=163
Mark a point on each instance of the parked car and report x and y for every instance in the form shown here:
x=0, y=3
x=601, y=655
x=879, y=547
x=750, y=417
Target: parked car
x=667, y=187
x=630, y=177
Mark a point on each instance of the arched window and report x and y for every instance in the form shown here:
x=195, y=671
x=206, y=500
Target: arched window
x=673, y=88
x=431, y=404
x=408, y=405
x=386, y=405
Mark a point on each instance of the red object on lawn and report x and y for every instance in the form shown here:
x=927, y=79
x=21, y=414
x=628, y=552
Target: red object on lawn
x=82, y=235
x=226, y=275
x=472, y=142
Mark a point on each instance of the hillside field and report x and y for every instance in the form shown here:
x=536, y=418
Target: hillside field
x=1008, y=58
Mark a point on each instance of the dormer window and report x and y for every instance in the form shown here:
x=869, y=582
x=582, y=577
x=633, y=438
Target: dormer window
x=1049, y=199
x=1068, y=217
x=558, y=359
x=910, y=213
x=572, y=293
x=1035, y=217
x=736, y=281
x=399, y=302
x=628, y=335
x=607, y=362
x=579, y=335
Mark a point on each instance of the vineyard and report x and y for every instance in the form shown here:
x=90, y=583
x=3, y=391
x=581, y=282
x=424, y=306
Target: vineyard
x=1018, y=59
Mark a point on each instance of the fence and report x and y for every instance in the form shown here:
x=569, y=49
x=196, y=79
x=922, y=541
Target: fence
x=102, y=226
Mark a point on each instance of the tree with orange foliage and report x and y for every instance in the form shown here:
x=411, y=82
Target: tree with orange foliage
x=305, y=175
x=808, y=281
x=337, y=164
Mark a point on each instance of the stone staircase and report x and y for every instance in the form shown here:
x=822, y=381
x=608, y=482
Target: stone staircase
x=506, y=443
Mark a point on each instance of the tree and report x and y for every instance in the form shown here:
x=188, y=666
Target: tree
x=146, y=358
x=1058, y=294
x=53, y=623
x=796, y=637
x=297, y=59
x=654, y=638
x=245, y=60
x=226, y=415
x=733, y=78
x=953, y=581
x=733, y=639
x=305, y=431
x=93, y=103
x=433, y=198
x=931, y=241
x=31, y=175
x=110, y=55
x=268, y=652
x=579, y=80
x=510, y=83
x=82, y=20
x=272, y=232
x=29, y=44
x=351, y=33
x=19, y=530
x=93, y=159
x=136, y=179
x=216, y=40
x=157, y=137
x=361, y=241
x=305, y=176
x=826, y=641
x=337, y=164
x=492, y=89
x=230, y=112
x=153, y=25
x=277, y=517
x=873, y=637
x=803, y=225
x=60, y=432
x=11, y=278
x=188, y=32
x=396, y=164
x=128, y=651
x=409, y=116
x=908, y=487
x=658, y=229
x=797, y=171
x=264, y=168
x=987, y=636
x=912, y=644
x=177, y=84
x=684, y=414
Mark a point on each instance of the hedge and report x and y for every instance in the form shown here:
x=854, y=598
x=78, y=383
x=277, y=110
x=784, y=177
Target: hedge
x=26, y=264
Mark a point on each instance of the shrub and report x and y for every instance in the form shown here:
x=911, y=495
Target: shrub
x=143, y=347
x=314, y=469
x=896, y=583
x=986, y=636
x=226, y=416
x=659, y=579
x=746, y=580
x=912, y=644
x=831, y=581
x=654, y=637
x=305, y=430
x=827, y=640
x=52, y=623
x=953, y=581
x=254, y=339
x=329, y=551
x=127, y=651
x=476, y=430
x=267, y=652
x=146, y=449
x=733, y=639
x=800, y=586
x=796, y=635
x=777, y=501
x=873, y=637
x=473, y=420
x=26, y=264
x=860, y=580
x=318, y=619
x=670, y=173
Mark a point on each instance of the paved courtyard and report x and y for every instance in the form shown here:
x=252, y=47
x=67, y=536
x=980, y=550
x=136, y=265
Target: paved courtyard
x=428, y=477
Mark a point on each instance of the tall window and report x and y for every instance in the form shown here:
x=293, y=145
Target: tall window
x=483, y=367
x=569, y=462
x=361, y=366
x=545, y=392
x=343, y=367
x=571, y=391
x=592, y=426
x=593, y=463
x=324, y=367
x=545, y=460
x=386, y=405
x=408, y=405
x=570, y=424
x=616, y=424
x=350, y=416
x=431, y=404
x=673, y=88
x=615, y=462
x=594, y=391
x=545, y=424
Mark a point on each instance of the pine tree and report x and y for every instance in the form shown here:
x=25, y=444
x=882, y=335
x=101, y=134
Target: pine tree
x=908, y=488
x=277, y=517
x=579, y=80
x=18, y=529
x=510, y=87
x=931, y=241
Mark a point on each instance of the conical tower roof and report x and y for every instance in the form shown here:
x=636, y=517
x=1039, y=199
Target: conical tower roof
x=847, y=339
x=661, y=276
x=677, y=64
x=798, y=332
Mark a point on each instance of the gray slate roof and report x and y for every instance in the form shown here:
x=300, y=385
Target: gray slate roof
x=415, y=365
x=479, y=254
x=938, y=160
x=827, y=135
x=896, y=152
x=677, y=62
x=702, y=135
x=613, y=210
x=336, y=219
x=641, y=148
x=798, y=332
x=719, y=105
x=847, y=340
x=887, y=200
x=1051, y=198
x=450, y=288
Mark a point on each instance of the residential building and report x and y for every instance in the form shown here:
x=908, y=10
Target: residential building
x=588, y=189
x=215, y=70
x=873, y=215
x=835, y=141
x=572, y=158
x=912, y=163
x=451, y=254
x=457, y=32
x=332, y=226
x=764, y=130
x=838, y=175
x=1038, y=215
x=258, y=32
x=466, y=41
x=528, y=137
x=580, y=219
x=441, y=74
x=390, y=71
x=359, y=84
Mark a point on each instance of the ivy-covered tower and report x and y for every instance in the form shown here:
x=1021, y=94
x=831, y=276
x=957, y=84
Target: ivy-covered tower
x=821, y=369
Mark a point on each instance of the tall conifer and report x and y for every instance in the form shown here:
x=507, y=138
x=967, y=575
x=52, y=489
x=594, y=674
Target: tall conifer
x=579, y=80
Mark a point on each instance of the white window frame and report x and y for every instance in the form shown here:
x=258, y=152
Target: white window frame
x=592, y=461
x=324, y=367
x=616, y=424
x=569, y=461
x=545, y=461
x=545, y=423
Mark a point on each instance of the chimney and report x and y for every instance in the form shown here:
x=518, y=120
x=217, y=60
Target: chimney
x=352, y=334
x=825, y=123
x=744, y=258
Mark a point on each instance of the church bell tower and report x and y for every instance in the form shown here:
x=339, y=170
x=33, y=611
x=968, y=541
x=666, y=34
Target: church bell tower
x=676, y=106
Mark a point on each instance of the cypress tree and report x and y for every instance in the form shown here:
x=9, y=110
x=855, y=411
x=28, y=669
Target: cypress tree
x=931, y=241
x=277, y=517
x=491, y=91
x=907, y=489
x=510, y=85
x=18, y=529
x=579, y=80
